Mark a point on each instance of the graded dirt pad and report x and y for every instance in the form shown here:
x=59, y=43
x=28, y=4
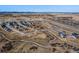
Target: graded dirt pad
x=38, y=33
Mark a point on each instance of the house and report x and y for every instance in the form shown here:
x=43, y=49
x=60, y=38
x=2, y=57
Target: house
x=6, y=27
x=73, y=36
x=62, y=34
x=76, y=35
x=25, y=23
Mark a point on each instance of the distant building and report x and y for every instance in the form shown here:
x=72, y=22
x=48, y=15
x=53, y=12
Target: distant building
x=73, y=36
x=76, y=35
x=62, y=34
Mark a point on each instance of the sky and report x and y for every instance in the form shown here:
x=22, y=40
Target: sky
x=39, y=8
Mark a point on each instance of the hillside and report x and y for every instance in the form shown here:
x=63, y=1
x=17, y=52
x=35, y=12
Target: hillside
x=39, y=33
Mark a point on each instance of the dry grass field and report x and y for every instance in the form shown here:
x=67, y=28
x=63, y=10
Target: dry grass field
x=39, y=33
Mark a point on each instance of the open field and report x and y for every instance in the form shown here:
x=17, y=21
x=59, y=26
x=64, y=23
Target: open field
x=39, y=33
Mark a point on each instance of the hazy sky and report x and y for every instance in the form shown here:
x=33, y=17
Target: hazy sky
x=40, y=8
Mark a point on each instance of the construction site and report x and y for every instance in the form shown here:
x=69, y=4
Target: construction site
x=39, y=33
